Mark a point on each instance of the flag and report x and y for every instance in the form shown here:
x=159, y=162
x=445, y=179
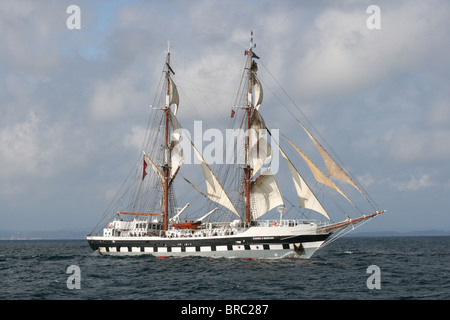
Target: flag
x=144, y=172
x=232, y=113
x=246, y=52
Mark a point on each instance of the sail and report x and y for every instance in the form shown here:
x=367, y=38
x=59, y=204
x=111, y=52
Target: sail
x=333, y=168
x=173, y=96
x=318, y=174
x=260, y=151
x=176, y=158
x=176, y=150
x=155, y=168
x=306, y=197
x=216, y=192
x=259, y=154
x=265, y=194
x=258, y=92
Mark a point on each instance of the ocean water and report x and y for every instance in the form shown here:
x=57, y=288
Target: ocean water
x=410, y=268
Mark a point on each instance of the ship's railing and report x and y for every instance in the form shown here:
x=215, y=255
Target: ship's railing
x=282, y=223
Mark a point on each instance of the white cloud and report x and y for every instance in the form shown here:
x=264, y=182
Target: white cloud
x=29, y=147
x=115, y=98
x=413, y=184
x=29, y=30
x=343, y=55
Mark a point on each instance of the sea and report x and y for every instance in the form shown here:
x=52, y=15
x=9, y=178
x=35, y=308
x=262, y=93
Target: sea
x=350, y=268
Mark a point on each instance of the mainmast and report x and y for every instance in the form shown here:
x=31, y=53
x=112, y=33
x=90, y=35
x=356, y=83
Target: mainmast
x=247, y=168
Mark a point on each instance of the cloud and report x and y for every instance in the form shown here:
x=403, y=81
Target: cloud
x=344, y=56
x=413, y=184
x=29, y=147
x=74, y=103
x=366, y=180
x=407, y=145
x=28, y=35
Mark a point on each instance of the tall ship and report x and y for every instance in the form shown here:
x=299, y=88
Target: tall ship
x=235, y=208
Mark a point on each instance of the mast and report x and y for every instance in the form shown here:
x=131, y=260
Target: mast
x=166, y=148
x=247, y=168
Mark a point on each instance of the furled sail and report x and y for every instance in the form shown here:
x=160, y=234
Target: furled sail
x=155, y=168
x=216, y=192
x=306, y=197
x=318, y=174
x=265, y=194
x=174, y=98
x=333, y=168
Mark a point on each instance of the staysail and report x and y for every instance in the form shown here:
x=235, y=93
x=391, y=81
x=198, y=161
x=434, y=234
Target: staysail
x=333, y=168
x=306, y=197
x=216, y=192
x=319, y=175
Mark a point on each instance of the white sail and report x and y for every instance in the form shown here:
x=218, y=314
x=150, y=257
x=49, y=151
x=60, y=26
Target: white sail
x=306, y=197
x=176, y=150
x=173, y=96
x=333, y=168
x=318, y=174
x=260, y=152
x=265, y=194
x=258, y=92
x=216, y=192
x=176, y=158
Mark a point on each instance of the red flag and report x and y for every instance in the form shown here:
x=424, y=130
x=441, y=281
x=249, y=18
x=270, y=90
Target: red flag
x=232, y=113
x=245, y=52
x=144, y=172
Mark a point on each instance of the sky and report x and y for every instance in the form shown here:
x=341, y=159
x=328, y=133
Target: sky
x=74, y=102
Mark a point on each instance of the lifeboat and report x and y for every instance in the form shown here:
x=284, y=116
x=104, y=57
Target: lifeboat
x=187, y=225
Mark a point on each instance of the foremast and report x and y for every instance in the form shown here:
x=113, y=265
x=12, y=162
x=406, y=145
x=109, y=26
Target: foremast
x=166, y=167
x=173, y=153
